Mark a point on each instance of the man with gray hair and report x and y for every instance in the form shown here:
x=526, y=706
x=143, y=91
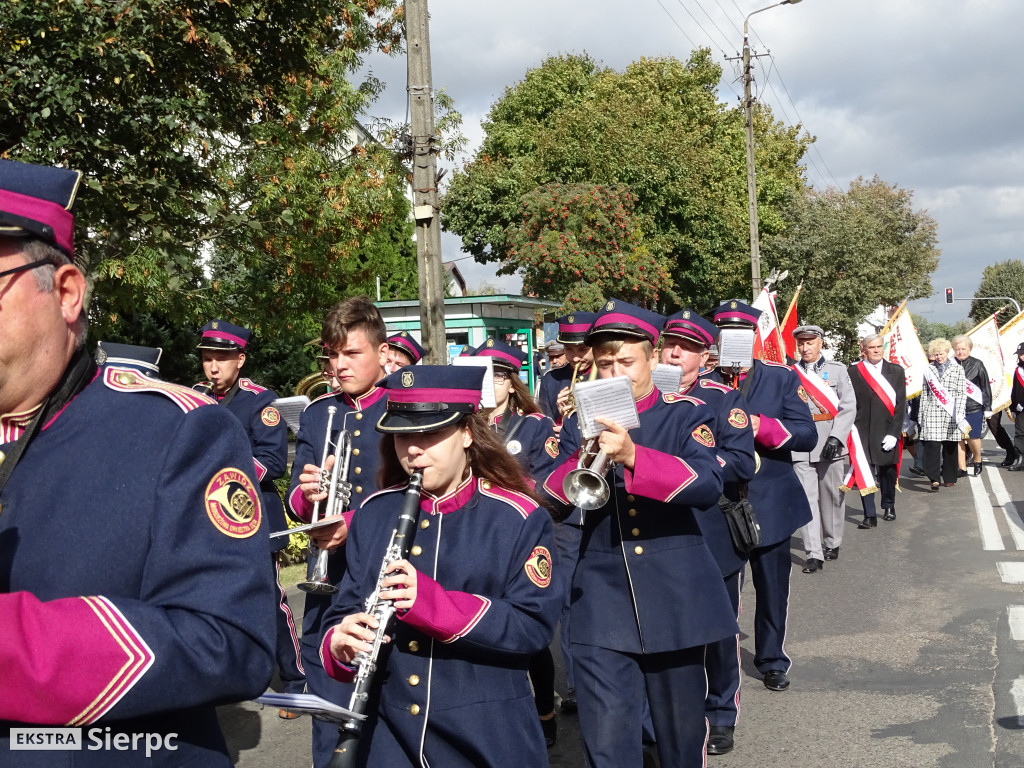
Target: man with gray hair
x=881, y=391
x=833, y=407
x=141, y=496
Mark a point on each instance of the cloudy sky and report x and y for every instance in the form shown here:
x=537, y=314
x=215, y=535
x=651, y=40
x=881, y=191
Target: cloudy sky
x=923, y=93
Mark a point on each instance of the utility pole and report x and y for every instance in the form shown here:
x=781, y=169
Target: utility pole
x=748, y=112
x=426, y=209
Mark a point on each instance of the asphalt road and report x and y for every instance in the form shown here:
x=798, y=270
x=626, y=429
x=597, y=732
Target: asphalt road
x=906, y=650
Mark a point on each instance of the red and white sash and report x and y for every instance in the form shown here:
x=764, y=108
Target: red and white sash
x=974, y=392
x=820, y=392
x=878, y=385
x=945, y=399
x=859, y=474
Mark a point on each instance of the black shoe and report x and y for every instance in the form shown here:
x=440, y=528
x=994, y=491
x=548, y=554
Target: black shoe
x=1011, y=457
x=977, y=469
x=550, y=729
x=813, y=565
x=868, y=522
x=917, y=471
x=889, y=513
x=776, y=680
x=1018, y=467
x=721, y=740
x=569, y=701
x=961, y=473
x=831, y=553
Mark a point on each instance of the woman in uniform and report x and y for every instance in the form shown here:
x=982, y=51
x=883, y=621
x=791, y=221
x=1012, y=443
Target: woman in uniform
x=476, y=599
x=529, y=436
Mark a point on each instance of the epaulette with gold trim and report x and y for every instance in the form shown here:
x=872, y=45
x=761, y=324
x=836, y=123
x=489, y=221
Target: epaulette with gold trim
x=250, y=386
x=522, y=503
x=773, y=363
x=709, y=384
x=674, y=397
x=130, y=380
x=321, y=397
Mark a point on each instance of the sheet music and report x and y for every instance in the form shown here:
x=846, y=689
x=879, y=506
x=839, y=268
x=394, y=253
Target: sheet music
x=608, y=399
x=291, y=409
x=736, y=348
x=309, y=704
x=487, y=388
x=668, y=378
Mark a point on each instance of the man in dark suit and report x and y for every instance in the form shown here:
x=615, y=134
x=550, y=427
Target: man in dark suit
x=881, y=390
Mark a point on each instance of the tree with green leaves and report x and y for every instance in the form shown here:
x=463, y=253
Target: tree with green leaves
x=1004, y=278
x=853, y=251
x=210, y=135
x=656, y=131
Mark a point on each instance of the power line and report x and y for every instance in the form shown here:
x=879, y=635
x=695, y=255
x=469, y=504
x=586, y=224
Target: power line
x=667, y=13
x=724, y=36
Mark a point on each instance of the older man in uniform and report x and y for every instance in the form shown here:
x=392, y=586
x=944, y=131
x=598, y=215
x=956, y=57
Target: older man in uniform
x=133, y=598
x=686, y=341
x=355, y=341
x=782, y=424
x=222, y=348
x=833, y=408
x=643, y=561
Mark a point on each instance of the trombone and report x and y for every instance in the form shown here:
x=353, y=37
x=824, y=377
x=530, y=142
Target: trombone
x=339, y=492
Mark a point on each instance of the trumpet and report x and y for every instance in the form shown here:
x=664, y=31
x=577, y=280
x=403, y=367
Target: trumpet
x=339, y=492
x=570, y=403
x=586, y=486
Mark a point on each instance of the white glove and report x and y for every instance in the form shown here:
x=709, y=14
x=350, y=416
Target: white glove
x=888, y=443
x=1020, y=408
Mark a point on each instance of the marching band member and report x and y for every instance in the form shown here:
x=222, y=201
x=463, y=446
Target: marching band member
x=643, y=562
x=355, y=342
x=781, y=420
x=403, y=350
x=529, y=436
x=476, y=599
x=134, y=592
x=222, y=350
x=553, y=395
x=686, y=341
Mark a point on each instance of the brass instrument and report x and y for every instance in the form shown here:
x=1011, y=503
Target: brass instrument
x=383, y=610
x=339, y=491
x=570, y=403
x=586, y=486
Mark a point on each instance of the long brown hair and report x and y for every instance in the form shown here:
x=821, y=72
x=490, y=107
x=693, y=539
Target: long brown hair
x=519, y=399
x=487, y=457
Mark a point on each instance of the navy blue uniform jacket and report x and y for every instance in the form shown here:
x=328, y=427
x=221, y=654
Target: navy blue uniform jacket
x=734, y=444
x=646, y=581
x=253, y=406
x=454, y=687
x=134, y=591
x=774, y=393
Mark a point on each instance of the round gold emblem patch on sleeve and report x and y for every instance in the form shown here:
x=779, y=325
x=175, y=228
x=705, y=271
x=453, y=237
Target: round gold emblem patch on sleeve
x=538, y=567
x=233, y=503
x=271, y=416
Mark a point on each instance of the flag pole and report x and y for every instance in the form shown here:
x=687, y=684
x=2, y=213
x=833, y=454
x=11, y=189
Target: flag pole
x=792, y=303
x=900, y=308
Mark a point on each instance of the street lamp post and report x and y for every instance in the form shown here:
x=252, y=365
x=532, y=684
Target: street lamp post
x=748, y=111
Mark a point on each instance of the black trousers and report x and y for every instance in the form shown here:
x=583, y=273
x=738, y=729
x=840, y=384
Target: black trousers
x=944, y=451
x=885, y=477
x=995, y=426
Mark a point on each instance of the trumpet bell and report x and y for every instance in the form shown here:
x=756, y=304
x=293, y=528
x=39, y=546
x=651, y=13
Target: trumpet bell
x=586, y=489
x=317, y=581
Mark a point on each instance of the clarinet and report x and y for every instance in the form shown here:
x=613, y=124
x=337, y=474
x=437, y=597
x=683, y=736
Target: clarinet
x=383, y=610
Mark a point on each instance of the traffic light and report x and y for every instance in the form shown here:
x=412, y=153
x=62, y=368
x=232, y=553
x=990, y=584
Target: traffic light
x=949, y=295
